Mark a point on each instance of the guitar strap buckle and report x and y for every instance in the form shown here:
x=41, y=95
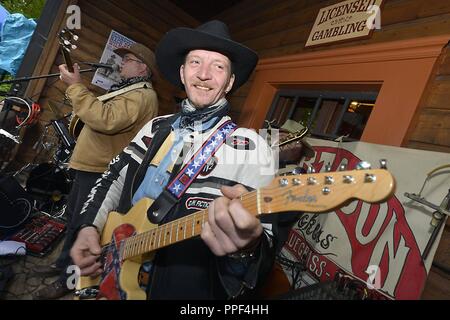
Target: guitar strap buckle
x=162, y=205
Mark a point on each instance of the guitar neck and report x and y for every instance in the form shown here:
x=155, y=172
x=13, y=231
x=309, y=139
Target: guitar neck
x=67, y=60
x=175, y=231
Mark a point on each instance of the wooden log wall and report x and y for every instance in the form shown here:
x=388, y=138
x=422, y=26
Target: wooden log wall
x=143, y=21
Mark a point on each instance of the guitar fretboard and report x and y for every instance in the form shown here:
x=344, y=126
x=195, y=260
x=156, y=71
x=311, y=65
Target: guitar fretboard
x=175, y=231
x=165, y=235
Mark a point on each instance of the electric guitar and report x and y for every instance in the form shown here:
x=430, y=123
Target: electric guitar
x=129, y=240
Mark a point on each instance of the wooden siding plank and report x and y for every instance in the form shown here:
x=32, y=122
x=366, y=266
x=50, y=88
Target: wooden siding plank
x=426, y=146
x=433, y=127
x=118, y=19
x=439, y=97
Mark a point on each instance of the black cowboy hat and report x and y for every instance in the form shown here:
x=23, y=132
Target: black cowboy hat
x=212, y=36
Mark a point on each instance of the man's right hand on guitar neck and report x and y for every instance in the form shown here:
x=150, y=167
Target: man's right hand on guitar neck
x=86, y=251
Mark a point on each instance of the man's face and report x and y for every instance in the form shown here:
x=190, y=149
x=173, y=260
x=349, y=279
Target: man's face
x=206, y=76
x=131, y=66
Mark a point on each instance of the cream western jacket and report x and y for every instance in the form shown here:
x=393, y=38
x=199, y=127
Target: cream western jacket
x=109, y=126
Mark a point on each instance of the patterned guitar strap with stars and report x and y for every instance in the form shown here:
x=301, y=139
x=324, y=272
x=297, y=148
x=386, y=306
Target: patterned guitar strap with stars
x=175, y=189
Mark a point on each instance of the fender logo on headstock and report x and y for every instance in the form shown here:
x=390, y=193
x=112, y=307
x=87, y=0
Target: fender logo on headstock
x=291, y=197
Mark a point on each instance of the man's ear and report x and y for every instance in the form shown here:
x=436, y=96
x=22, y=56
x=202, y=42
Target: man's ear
x=182, y=74
x=230, y=83
x=148, y=71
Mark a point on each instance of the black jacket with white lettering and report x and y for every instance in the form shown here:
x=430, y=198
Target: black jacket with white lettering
x=189, y=269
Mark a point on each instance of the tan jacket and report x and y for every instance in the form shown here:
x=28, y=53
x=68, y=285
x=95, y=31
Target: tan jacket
x=108, y=126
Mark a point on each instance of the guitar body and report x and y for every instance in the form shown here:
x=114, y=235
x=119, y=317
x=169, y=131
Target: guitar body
x=120, y=279
x=75, y=126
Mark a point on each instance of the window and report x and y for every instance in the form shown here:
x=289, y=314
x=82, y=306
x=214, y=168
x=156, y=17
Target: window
x=327, y=114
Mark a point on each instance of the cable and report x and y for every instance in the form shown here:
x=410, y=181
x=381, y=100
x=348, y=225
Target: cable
x=34, y=110
x=29, y=110
x=13, y=203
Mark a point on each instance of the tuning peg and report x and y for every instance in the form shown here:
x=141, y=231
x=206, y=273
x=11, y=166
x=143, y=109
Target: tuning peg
x=284, y=182
x=383, y=164
x=298, y=170
x=311, y=170
x=363, y=165
x=75, y=37
x=328, y=167
x=73, y=47
x=66, y=42
x=342, y=167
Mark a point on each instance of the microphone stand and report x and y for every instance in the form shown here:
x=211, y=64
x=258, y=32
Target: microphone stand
x=41, y=77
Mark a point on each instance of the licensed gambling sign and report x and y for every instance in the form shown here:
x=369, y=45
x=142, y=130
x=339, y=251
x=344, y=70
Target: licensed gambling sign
x=352, y=19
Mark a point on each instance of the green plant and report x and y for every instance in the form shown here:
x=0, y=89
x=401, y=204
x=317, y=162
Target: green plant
x=5, y=87
x=29, y=8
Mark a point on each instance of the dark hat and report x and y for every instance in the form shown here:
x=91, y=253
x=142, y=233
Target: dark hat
x=211, y=36
x=297, y=149
x=141, y=52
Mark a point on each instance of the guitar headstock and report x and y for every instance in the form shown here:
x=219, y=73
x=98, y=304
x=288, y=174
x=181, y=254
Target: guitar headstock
x=322, y=192
x=67, y=39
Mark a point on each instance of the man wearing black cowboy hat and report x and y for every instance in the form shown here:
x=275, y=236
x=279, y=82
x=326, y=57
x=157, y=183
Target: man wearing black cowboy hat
x=185, y=164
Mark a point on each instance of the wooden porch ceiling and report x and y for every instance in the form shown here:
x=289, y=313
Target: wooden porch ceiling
x=204, y=10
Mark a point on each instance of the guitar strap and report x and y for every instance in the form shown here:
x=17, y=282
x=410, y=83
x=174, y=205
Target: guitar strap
x=135, y=86
x=175, y=189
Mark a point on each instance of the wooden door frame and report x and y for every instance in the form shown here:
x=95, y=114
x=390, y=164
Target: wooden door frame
x=403, y=69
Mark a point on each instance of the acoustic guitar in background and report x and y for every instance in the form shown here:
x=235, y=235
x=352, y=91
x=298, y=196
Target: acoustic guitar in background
x=67, y=39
